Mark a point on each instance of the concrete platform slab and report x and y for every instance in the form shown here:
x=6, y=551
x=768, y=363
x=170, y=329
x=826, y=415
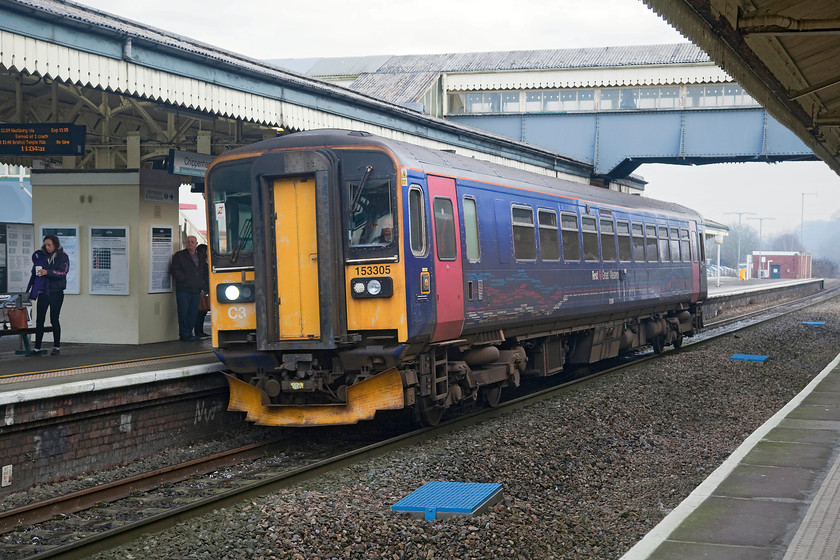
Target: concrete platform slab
x=756, y=523
x=789, y=454
x=759, y=481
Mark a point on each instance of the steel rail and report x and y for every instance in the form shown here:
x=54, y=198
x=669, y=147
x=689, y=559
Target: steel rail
x=89, y=497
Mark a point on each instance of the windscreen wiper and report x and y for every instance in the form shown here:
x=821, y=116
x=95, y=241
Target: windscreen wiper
x=362, y=183
x=245, y=233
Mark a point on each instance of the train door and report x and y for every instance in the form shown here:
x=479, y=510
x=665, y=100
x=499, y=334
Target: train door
x=296, y=259
x=697, y=277
x=446, y=238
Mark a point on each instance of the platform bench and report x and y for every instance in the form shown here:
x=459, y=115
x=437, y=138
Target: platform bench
x=24, y=337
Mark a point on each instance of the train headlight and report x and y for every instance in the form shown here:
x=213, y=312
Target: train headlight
x=232, y=292
x=235, y=293
x=372, y=287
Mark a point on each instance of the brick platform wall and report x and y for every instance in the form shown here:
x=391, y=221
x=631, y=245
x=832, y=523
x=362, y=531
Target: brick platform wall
x=50, y=439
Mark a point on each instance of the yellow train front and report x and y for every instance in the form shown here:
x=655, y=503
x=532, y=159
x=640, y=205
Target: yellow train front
x=309, y=291
x=353, y=274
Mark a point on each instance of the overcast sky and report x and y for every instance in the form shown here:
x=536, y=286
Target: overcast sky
x=295, y=29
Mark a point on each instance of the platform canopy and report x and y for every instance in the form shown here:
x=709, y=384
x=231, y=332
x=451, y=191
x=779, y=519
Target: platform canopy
x=783, y=52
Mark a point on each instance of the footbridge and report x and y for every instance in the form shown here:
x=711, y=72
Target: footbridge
x=612, y=107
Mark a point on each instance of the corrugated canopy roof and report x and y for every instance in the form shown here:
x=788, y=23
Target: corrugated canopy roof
x=599, y=57
x=396, y=88
x=405, y=78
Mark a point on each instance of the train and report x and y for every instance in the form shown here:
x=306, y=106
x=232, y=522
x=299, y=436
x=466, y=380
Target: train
x=352, y=274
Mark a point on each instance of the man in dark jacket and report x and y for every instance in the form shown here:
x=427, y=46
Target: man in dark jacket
x=189, y=274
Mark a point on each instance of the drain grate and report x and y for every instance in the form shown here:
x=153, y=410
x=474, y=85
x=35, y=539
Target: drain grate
x=437, y=500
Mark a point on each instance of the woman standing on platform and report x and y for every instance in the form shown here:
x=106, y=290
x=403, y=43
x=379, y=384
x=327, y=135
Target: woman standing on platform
x=49, y=280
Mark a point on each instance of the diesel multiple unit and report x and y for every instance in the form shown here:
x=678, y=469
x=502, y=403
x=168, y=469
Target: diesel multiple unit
x=352, y=273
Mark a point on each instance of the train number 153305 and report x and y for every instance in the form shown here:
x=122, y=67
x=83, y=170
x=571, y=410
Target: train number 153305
x=373, y=270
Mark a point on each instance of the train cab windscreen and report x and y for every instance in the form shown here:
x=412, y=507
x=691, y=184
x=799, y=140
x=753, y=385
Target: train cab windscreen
x=371, y=219
x=231, y=240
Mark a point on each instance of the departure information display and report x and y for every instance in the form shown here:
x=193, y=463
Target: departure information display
x=31, y=139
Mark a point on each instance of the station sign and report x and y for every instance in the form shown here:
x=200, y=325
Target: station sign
x=188, y=163
x=42, y=139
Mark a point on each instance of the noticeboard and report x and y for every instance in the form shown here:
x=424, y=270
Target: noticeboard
x=108, y=260
x=17, y=243
x=38, y=139
x=160, y=255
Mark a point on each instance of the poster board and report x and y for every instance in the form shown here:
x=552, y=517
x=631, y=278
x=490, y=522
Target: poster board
x=160, y=255
x=108, y=260
x=20, y=244
x=68, y=236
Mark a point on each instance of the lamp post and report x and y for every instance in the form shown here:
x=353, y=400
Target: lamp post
x=760, y=241
x=802, y=221
x=738, y=264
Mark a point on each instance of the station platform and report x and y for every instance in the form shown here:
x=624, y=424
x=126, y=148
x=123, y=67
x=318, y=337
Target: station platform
x=729, y=285
x=775, y=497
x=86, y=367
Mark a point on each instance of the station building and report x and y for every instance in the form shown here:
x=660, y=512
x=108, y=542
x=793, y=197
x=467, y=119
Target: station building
x=780, y=265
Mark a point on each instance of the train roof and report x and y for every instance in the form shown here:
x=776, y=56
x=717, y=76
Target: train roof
x=448, y=163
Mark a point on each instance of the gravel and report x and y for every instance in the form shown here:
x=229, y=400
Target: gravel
x=585, y=475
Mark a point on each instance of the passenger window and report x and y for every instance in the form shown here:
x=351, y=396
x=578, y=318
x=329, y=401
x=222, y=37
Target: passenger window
x=524, y=240
x=664, y=251
x=417, y=221
x=590, y=238
x=684, y=251
x=471, y=230
x=569, y=233
x=608, y=239
x=675, y=244
x=549, y=240
x=638, y=243
x=444, y=229
x=625, y=249
x=693, y=248
x=652, y=251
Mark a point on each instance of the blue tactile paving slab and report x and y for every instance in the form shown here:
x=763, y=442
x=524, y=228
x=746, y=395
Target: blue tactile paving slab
x=435, y=500
x=749, y=357
x=813, y=323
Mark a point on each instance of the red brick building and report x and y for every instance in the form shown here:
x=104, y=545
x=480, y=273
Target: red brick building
x=780, y=264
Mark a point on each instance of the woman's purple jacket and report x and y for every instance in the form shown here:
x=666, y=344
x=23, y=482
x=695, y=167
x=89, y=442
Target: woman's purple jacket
x=56, y=278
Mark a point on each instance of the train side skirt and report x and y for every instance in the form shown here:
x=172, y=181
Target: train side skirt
x=381, y=392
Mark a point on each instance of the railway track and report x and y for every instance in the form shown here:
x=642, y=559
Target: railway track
x=152, y=502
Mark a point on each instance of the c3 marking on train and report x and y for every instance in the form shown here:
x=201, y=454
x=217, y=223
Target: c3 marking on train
x=237, y=312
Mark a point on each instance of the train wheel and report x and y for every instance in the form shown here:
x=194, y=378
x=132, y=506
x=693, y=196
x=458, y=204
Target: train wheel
x=430, y=413
x=658, y=344
x=491, y=395
x=678, y=343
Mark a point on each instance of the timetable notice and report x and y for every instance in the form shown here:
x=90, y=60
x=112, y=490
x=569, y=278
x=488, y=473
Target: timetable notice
x=60, y=139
